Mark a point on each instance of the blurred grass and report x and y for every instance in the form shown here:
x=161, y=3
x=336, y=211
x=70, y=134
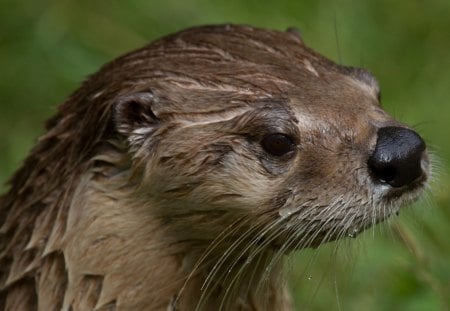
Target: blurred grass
x=48, y=47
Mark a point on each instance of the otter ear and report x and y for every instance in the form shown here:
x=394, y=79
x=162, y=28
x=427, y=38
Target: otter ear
x=134, y=116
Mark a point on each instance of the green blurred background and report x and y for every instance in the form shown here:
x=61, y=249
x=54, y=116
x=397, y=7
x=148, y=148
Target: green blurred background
x=48, y=47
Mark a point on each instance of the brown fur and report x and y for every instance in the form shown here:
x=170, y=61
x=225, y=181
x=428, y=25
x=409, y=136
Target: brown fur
x=150, y=190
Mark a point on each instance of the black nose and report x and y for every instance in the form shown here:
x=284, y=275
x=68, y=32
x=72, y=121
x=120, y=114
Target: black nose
x=397, y=156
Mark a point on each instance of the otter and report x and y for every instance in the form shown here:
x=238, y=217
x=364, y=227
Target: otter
x=180, y=175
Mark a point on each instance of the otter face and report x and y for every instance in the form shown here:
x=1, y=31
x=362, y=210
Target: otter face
x=241, y=128
x=177, y=176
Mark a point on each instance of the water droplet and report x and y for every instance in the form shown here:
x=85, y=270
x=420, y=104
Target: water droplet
x=354, y=232
x=286, y=212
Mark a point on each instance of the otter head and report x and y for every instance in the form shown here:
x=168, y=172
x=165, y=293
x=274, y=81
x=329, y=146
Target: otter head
x=192, y=165
x=250, y=134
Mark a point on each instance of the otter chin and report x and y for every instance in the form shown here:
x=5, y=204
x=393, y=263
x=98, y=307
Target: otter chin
x=179, y=175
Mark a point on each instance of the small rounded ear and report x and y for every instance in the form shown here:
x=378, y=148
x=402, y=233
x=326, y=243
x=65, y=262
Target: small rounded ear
x=134, y=115
x=296, y=33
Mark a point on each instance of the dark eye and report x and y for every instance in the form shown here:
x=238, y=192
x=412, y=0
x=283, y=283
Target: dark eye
x=277, y=144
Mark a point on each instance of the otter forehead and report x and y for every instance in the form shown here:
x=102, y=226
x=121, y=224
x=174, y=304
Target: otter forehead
x=217, y=66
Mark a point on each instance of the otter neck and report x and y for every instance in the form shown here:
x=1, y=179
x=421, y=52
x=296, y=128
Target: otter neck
x=239, y=284
x=110, y=230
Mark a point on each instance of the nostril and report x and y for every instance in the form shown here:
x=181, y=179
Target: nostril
x=385, y=172
x=397, y=157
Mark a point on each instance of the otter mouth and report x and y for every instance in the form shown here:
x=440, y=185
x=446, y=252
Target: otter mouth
x=314, y=233
x=407, y=193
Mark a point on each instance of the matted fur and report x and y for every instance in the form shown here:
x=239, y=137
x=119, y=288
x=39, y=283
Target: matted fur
x=150, y=189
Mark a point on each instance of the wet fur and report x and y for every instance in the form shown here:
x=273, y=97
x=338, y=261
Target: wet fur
x=150, y=190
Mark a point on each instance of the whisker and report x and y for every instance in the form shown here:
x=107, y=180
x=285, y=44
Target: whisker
x=216, y=242
x=228, y=252
x=261, y=247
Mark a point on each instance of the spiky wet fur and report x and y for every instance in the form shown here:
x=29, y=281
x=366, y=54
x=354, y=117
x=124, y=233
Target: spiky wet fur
x=150, y=189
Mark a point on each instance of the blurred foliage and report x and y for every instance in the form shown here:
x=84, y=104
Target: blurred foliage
x=48, y=47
